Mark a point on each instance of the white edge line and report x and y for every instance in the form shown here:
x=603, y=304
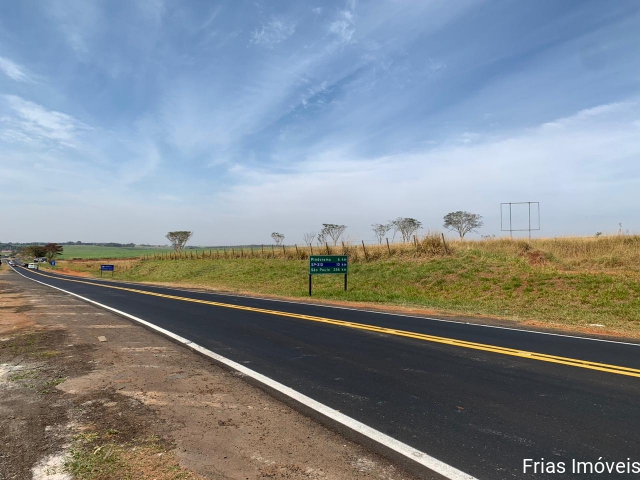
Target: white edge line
x=391, y=443
x=376, y=312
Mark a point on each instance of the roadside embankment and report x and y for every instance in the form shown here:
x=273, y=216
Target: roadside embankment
x=589, y=285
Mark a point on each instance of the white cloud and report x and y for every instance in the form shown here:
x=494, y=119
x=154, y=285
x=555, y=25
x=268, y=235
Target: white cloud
x=581, y=169
x=435, y=66
x=32, y=122
x=273, y=32
x=14, y=71
x=344, y=26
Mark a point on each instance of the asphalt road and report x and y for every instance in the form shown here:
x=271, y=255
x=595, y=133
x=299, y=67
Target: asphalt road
x=480, y=399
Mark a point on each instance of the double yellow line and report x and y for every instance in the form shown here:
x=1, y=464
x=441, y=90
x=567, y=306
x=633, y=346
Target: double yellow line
x=573, y=362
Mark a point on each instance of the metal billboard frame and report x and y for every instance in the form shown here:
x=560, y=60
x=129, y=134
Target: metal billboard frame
x=510, y=229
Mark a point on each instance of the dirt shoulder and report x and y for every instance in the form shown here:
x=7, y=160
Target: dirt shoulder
x=139, y=406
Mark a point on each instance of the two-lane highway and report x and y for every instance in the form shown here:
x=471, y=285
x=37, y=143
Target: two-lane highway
x=481, y=399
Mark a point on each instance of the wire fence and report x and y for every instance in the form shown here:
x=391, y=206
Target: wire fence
x=428, y=245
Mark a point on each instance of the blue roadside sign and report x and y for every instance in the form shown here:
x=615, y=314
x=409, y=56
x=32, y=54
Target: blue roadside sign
x=107, y=268
x=53, y=263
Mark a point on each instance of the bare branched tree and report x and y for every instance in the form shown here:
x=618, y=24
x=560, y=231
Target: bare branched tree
x=380, y=230
x=462, y=222
x=309, y=237
x=277, y=237
x=322, y=238
x=179, y=239
x=333, y=231
x=406, y=226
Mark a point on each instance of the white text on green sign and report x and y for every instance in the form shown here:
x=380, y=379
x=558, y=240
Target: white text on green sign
x=328, y=264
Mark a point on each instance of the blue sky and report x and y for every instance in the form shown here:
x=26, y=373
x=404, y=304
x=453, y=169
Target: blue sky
x=120, y=120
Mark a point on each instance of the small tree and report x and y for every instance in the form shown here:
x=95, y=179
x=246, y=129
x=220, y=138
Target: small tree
x=462, y=222
x=277, y=237
x=179, y=239
x=35, y=251
x=309, y=237
x=322, y=237
x=380, y=230
x=52, y=250
x=333, y=231
x=406, y=226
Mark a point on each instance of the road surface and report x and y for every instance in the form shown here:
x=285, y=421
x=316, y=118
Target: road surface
x=480, y=399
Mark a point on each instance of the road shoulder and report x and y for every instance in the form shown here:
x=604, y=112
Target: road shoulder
x=141, y=403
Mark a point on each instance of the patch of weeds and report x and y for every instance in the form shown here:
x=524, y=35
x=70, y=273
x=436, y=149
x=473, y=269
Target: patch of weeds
x=48, y=386
x=24, y=375
x=87, y=463
x=47, y=354
x=96, y=457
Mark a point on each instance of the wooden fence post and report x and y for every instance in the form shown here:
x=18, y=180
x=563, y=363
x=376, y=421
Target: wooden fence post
x=273, y=251
x=327, y=245
x=388, y=247
x=311, y=248
x=284, y=253
x=365, y=251
x=446, y=249
x=297, y=253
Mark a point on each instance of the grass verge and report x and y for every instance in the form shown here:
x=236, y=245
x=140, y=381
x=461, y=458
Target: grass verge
x=583, y=284
x=100, y=456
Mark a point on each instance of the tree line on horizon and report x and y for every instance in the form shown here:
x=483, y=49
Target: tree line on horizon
x=461, y=222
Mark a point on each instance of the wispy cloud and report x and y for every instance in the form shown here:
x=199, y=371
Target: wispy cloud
x=79, y=23
x=14, y=71
x=249, y=109
x=344, y=26
x=527, y=164
x=273, y=32
x=32, y=122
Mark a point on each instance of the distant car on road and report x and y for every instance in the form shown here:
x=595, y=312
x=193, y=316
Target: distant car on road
x=33, y=266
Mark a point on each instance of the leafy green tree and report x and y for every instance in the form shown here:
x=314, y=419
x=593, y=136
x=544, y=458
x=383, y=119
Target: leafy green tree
x=406, y=226
x=52, y=250
x=277, y=237
x=333, y=231
x=463, y=222
x=179, y=239
x=35, y=251
x=381, y=230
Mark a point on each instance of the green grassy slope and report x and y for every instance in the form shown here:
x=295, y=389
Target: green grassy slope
x=470, y=282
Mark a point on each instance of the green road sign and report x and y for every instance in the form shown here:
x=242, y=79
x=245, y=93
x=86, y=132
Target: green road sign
x=319, y=264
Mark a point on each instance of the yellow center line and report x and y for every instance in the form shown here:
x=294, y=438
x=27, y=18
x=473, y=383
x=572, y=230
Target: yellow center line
x=542, y=357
